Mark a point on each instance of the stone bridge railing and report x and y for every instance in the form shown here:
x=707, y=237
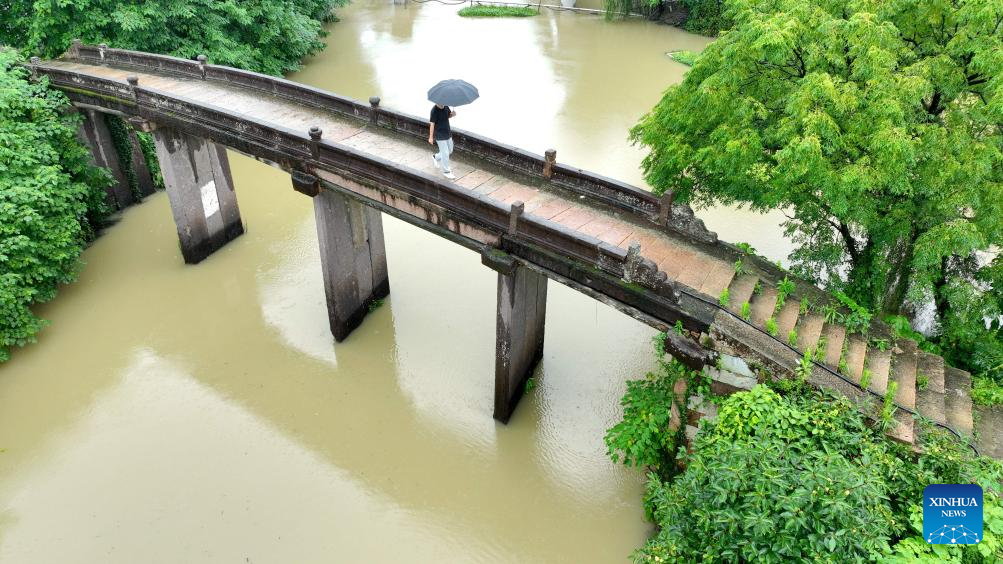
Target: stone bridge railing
x=624, y=197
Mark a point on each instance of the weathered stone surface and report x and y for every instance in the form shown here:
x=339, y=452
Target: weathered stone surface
x=522, y=312
x=95, y=134
x=353, y=259
x=144, y=178
x=199, y=186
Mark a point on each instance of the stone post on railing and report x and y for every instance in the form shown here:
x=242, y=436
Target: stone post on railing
x=202, y=61
x=101, y=49
x=513, y=219
x=75, y=49
x=133, y=81
x=550, y=159
x=374, y=110
x=315, y=134
x=35, y=61
x=665, y=207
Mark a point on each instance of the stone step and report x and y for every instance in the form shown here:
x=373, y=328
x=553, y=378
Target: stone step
x=720, y=277
x=931, y=366
x=856, y=349
x=879, y=363
x=930, y=400
x=834, y=335
x=787, y=318
x=762, y=306
x=958, y=399
x=740, y=291
x=904, y=373
x=809, y=329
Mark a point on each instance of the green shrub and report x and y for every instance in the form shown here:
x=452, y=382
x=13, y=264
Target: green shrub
x=687, y=58
x=51, y=199
x=746, y=311
x=771, y=327
x=498, y=12
x=724, y=298
x=803, y=477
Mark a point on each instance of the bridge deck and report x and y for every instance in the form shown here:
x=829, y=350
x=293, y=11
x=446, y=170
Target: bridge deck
x=678, y=259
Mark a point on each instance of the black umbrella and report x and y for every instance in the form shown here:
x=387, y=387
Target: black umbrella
x=453, y=92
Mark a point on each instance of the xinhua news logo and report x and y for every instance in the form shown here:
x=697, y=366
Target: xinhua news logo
x=952, y=514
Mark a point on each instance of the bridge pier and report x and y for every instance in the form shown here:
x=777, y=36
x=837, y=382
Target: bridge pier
x=143, y=176
x=353, y=258
x=522, y=312
x=199, y=186
x=95, y=133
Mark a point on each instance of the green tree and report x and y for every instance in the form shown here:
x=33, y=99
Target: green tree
x=270, y=36
x=877, y=126
x=50, y=199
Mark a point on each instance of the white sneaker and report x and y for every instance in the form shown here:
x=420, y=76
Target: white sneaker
x=449, y=175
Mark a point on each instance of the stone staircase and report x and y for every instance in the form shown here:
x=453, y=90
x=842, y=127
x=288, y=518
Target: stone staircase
x=921, y=381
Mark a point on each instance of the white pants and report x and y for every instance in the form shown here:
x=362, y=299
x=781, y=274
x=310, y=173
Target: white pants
x=445, y=148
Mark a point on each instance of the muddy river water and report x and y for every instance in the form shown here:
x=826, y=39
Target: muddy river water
x=176, y=413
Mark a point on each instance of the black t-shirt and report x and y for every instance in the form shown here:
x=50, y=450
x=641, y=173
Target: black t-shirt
x=440, y=117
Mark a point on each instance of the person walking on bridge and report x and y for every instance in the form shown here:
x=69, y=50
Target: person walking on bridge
x=439, y=133
x=451, y=92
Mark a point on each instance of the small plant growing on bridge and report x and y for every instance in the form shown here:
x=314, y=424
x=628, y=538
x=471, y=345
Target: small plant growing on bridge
x=880, y=344
x=859, y=319
x=771, y=327
x=922, y=381
x=806, y=306
x=746, y=248
x=804, y=368
x=831, y=314
x=792, y=338
x=724, y=298
x=888, y=406
x=865, y=379
x=678, y=327
x=820, y=349
x=784, y=289
x=746, y=311
x=758, y=288
x=739, y=267
x=375, y=304
x=530, y=384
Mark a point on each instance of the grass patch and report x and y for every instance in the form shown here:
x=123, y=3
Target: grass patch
x=498, y=12
x=685, y=57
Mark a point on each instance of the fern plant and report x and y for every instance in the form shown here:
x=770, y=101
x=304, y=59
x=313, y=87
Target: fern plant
x=746, y=311
x=792, y=338
x=771, y=327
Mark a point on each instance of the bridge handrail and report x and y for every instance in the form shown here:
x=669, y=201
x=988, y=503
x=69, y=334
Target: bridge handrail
x=283, y=145
x=608, y=191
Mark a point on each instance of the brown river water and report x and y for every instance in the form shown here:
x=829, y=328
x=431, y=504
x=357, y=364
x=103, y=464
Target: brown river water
x=176, y=413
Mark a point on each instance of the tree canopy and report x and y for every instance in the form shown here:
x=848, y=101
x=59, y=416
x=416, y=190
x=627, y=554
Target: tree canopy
x=876, y=126
x=270, y=36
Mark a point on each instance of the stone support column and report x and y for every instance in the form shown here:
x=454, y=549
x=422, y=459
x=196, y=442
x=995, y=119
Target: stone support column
x=522, y=312
x=353, y=259
x=199, y=186
x=143, y=176
x=94, y=132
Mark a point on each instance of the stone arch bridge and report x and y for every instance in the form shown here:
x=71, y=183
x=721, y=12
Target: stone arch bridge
x=532, y=218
